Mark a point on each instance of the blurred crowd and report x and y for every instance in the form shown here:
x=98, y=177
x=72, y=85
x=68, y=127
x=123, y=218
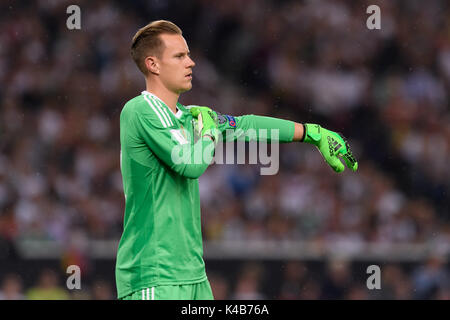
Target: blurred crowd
x=50, y=286
x=334, y=279
x=61, y=94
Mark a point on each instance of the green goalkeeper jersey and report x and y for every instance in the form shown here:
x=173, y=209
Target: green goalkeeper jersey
x=161, y=242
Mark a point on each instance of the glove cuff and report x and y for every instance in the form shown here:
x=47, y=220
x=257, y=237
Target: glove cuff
x=302, y=139
x=312, y=133
x=213, y=133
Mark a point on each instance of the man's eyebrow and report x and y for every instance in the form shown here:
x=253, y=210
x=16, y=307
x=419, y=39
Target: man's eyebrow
x=182, y=53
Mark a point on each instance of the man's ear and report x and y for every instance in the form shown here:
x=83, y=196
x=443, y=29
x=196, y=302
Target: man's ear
x=152, y=64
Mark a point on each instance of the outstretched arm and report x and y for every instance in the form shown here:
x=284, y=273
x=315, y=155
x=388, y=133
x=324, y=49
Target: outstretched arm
x=331, y=145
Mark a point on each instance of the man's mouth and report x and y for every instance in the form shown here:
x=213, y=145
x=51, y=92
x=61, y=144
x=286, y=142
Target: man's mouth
x=189, y=76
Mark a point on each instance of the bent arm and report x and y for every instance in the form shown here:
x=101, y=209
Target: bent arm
x=177, y=153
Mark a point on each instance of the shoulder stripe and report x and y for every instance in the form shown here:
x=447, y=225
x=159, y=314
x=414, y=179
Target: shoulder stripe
x=164, y=112
x=155, y=110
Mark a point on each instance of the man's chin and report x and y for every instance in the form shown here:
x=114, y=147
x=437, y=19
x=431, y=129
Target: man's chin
x=186, y=88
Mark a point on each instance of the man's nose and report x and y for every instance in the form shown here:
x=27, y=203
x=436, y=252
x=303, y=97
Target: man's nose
x=191, y=63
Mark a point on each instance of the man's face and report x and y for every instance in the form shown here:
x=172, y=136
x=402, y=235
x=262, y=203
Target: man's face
x=175, y=65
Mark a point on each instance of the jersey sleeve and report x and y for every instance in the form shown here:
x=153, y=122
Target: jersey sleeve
x=174, y=149
x=255, y=128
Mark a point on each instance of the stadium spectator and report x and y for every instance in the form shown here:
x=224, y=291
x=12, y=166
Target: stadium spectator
x=11, y=288
x=47, y=288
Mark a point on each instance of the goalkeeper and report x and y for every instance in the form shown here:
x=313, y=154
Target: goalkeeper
x=160, y=253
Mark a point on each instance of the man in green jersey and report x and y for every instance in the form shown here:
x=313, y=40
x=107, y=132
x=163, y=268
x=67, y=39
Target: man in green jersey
x=160, y=254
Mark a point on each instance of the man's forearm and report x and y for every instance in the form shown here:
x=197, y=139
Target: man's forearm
x=288, y=130
x=252, y=127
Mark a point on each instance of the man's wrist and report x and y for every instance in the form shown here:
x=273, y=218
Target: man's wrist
x=299, y=132
x=304, y=132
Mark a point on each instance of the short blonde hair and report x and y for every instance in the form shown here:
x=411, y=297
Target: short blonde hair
x=147, y=42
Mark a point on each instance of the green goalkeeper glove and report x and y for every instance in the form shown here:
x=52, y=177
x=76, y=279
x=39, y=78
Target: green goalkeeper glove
x=331, y=145
x=207, y=124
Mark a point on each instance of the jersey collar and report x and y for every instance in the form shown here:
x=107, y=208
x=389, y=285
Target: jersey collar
x=179, y=112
